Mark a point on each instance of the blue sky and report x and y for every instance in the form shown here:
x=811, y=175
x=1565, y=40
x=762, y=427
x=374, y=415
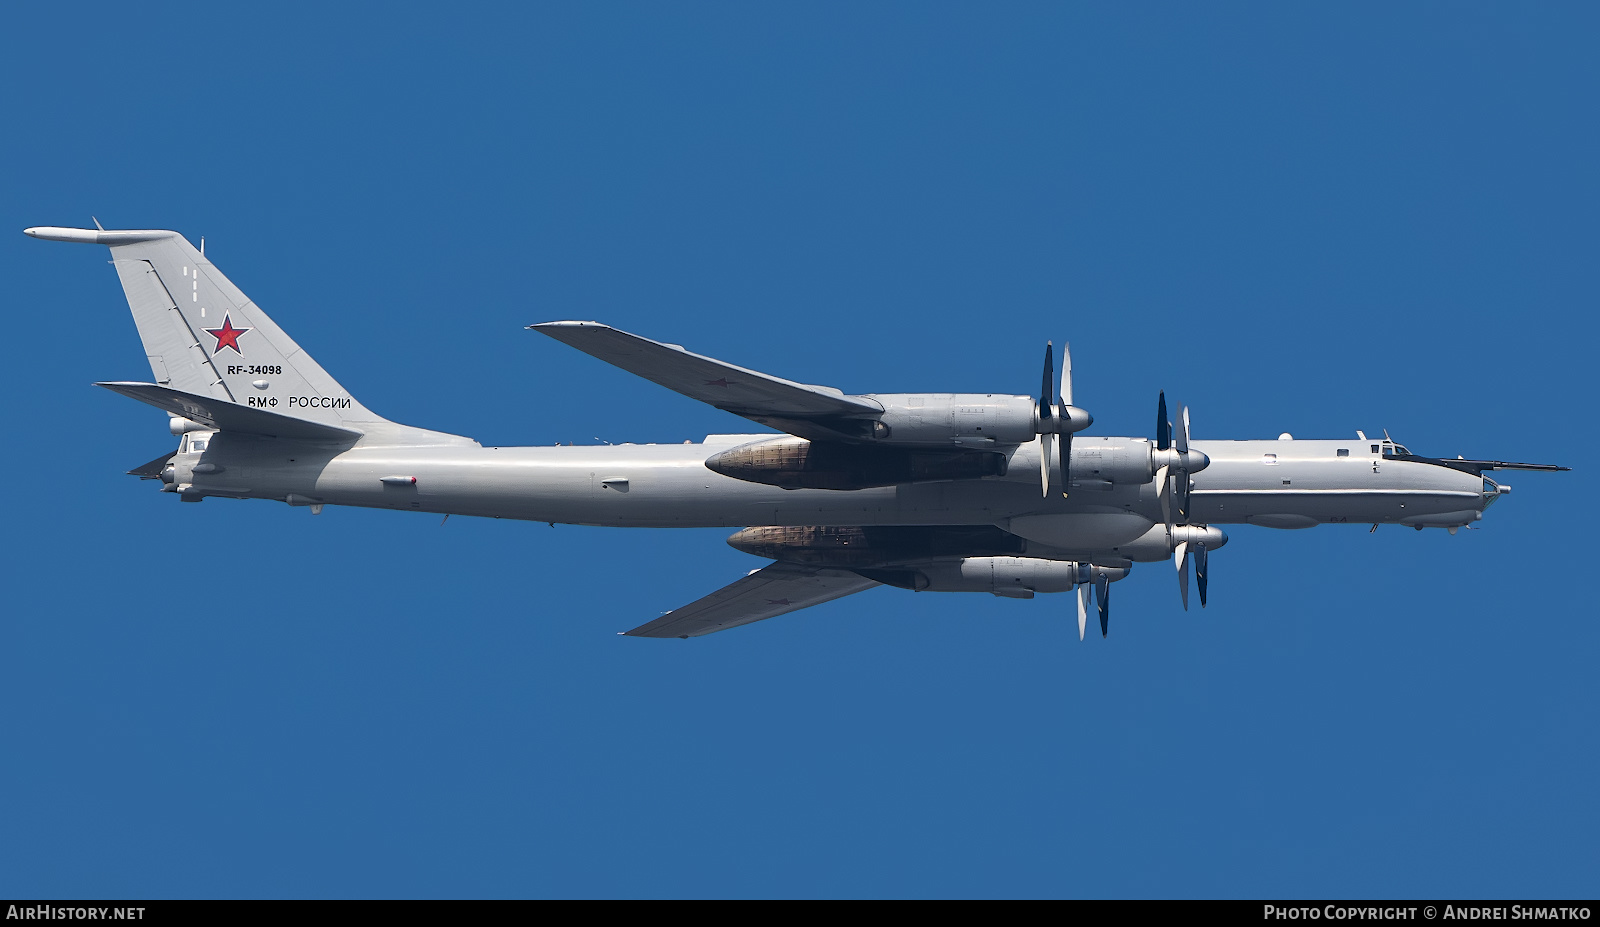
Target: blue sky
x=1312, y=219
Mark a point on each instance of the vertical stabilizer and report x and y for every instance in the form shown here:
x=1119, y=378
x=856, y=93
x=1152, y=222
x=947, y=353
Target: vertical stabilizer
x=203, y=337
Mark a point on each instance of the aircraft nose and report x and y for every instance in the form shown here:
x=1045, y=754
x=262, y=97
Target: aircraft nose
x=1491, y=492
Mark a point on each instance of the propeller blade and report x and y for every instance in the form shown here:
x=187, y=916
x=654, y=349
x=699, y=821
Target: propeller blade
x=1046, y=444
x=1200, y=572
x=1181, y=442
x=1163, y=427
x=1045, y=410
x=1102, y=598
x=1083, y=608
x=1065, y=396
x=1180, y=559
x=1064, y=399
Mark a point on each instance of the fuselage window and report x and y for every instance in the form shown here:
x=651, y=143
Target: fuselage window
x=1374, y=449
x=1343, y=452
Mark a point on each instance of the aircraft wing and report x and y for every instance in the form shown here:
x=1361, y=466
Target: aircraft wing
x=766, y=593
x=798, y=408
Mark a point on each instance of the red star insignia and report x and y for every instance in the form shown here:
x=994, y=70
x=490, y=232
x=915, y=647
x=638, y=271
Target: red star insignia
x=227, y=336
x=720, y=381
x=778, y=602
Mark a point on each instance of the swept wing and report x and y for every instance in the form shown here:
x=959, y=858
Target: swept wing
x=817, y=412
x=766, y=593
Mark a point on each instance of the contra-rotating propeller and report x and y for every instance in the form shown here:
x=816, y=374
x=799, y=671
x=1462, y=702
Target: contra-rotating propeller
x=1060, y=417
x=1199, y=541
x=1176, y=464
x=1100, y=578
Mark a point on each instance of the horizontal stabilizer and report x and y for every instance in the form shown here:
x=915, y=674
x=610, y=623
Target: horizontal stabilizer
x=775, y=590
x=230, y=416
x=152, y=470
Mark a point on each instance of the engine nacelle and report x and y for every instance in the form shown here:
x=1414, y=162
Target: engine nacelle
x=1102, y=463
x=850, y=546
x=795, y=463
x=968, y=419
x=1012, y=577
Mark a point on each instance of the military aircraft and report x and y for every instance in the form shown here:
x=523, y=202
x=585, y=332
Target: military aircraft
x=939, y=492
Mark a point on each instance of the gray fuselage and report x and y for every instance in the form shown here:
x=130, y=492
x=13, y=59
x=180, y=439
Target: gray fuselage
x=1281, y=483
